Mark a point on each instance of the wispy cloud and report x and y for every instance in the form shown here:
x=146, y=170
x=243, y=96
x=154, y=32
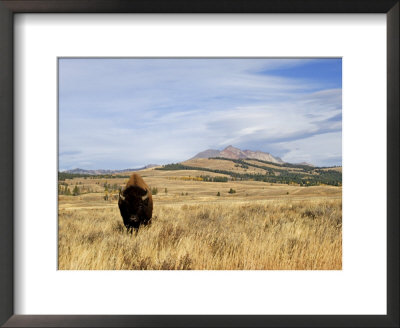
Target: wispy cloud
x=119, y=113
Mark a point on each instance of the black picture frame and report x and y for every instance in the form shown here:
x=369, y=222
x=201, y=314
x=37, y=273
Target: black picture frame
x=7, y=10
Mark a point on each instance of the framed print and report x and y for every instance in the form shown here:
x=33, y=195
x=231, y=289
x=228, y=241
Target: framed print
x=212, y=190
x=165, y=166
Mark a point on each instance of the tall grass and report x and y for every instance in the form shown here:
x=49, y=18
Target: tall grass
x=275, y=235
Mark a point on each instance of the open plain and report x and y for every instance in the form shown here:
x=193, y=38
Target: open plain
x=199, y=225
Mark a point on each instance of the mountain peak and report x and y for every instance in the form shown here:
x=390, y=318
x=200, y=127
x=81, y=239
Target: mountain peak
x=230, y=147
x=236, y=153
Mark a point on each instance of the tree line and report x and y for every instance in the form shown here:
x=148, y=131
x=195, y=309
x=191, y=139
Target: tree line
x=62, y=176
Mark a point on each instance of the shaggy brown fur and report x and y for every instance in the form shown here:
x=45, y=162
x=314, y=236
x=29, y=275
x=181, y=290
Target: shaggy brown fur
x=135, y=203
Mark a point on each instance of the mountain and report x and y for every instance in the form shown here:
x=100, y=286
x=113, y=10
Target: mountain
x=100, y=172
x=208, y=153
x=236, y=153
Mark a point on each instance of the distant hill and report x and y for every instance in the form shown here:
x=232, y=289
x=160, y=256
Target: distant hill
x=236, y=153
x=232, y=164
x=260, y=170
x=105, y=172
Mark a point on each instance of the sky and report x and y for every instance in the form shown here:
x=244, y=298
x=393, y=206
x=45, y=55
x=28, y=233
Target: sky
x=120, y=113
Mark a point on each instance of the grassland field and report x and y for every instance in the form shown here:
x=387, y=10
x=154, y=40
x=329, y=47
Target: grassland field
x=261, y=226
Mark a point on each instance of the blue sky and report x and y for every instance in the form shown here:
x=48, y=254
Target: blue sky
x=126, y=113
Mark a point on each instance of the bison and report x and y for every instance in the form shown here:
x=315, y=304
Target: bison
x=135, y=203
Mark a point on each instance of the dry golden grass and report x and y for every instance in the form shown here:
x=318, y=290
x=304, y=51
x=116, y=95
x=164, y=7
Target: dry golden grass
x=261, y=226
x=223, y=234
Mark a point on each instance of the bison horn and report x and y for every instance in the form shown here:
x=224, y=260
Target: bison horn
x=121, y=196
x=145, y=196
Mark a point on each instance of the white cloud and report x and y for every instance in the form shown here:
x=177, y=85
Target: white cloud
x=319, y=149
x=129, y=114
